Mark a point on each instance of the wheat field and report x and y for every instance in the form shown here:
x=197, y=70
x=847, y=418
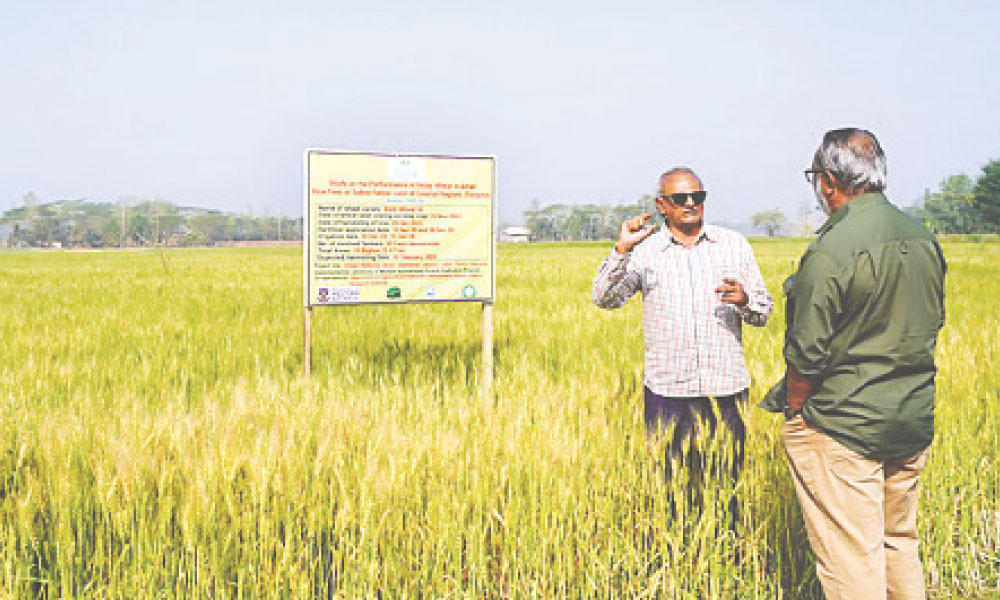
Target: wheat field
x=157, y=440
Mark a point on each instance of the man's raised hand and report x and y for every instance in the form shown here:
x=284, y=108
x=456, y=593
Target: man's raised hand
x=633, y=232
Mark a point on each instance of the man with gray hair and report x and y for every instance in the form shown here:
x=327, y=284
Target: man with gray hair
x=863, y=313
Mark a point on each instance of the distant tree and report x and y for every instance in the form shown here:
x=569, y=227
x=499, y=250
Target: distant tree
x=803, y=227
x=986, y=196
x=772, y=221
x=109, y=231
x=30, y=201
x=541, y=224
x=951, y=208
x=139, y=228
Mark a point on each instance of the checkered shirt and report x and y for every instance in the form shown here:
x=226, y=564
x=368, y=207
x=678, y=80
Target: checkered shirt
x=693, y=339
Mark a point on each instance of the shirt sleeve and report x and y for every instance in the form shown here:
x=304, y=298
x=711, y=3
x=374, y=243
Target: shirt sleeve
x=815, y=300
x=616, y=281
x=758, y=307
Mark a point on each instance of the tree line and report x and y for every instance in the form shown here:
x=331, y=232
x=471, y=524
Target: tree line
x=134, y=222
x=959, y=205
x=964, y=205
x=557, y=222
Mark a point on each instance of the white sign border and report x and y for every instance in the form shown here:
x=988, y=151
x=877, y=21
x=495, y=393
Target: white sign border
x=307, y=226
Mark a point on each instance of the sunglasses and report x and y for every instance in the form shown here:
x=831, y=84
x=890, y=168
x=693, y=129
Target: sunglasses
x=681, y=198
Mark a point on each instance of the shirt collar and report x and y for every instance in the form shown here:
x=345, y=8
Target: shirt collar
x=708, y=233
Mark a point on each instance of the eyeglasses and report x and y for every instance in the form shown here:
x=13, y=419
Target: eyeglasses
x=681, y=198
x=813, y=174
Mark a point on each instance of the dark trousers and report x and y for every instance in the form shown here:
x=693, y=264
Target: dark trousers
x=685, y=414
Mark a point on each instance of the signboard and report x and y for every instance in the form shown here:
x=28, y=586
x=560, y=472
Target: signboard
x=391, y=228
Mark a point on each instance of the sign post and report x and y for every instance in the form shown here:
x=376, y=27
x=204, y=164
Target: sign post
x=307, y=339
x=487, y=380
x=399, y=228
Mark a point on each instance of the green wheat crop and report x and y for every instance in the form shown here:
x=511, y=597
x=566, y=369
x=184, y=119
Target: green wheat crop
x=157, y=440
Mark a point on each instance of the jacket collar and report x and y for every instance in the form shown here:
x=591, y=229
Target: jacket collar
x=854, y=205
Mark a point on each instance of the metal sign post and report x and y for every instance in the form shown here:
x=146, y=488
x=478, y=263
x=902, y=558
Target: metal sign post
x=487, y=378
x=307, y=320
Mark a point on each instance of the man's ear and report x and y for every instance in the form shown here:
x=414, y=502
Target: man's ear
x=831, y=183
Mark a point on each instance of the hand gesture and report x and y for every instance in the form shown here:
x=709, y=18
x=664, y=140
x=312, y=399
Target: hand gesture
x=633, y=232
x=731, y=292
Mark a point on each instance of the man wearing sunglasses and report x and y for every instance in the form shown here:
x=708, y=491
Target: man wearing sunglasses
x=699, y=284
x=863, y=313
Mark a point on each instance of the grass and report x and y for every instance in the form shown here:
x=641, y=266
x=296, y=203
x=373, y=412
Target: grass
x=157, y=440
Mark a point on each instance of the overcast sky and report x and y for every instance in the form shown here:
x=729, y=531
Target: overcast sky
x=213, y=103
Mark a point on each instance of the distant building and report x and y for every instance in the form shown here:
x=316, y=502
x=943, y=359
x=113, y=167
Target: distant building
x=515, y=234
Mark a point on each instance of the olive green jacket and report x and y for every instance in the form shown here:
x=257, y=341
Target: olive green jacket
x=863, y=314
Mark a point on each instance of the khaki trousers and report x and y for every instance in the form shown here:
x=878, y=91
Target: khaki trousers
x=861, y=516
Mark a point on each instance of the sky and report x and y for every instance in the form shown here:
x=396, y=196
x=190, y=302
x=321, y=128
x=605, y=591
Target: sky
x=213, y=103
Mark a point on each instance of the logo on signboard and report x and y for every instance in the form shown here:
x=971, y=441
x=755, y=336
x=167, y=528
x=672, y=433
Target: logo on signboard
x=394, y=292
x=406, y=168
x=469, y=291
x=430, y=292
x=350, y=293
x=324, y=295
